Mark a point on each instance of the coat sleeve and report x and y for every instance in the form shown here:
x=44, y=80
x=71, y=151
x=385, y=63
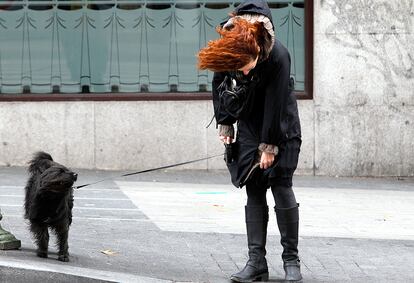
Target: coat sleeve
x=222, y=117
x=276, y=94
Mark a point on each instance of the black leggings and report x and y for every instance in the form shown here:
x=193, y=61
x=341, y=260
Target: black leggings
x=284, y=196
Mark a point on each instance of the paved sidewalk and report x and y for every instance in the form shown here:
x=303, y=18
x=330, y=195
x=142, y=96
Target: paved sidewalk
x=188, y=226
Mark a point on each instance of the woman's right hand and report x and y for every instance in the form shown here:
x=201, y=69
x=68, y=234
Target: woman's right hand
x=226, y=139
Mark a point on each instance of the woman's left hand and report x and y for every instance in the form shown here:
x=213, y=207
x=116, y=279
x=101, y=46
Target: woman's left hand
x=266, y=160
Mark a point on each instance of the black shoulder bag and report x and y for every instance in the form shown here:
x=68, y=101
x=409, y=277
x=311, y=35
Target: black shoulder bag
x=233, y=96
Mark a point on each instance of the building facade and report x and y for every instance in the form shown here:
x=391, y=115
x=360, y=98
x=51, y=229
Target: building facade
x=114, y=85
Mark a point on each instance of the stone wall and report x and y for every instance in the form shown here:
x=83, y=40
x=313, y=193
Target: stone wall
x=119, y=135
x=364, y=87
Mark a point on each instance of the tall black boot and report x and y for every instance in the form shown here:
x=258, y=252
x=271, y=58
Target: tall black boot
x=256, y=224
x=288, y=222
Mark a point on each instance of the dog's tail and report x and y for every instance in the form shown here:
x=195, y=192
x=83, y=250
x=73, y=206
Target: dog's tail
x=39, y=161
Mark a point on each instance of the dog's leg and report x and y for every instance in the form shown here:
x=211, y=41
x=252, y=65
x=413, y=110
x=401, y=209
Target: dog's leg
x=41, y=236
x=62, y=232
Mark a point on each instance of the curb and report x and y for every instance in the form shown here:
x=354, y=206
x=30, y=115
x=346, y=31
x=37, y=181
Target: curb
x=13, y=270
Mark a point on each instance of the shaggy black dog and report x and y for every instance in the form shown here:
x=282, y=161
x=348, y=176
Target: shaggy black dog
x=49, y=203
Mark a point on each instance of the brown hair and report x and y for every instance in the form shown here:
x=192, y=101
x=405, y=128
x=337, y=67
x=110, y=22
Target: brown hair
x=237, y=46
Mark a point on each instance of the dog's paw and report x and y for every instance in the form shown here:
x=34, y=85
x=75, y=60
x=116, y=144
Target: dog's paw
x=41, y=254
x=64, y=258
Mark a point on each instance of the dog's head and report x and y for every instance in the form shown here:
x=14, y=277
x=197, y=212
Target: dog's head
x=51, y=176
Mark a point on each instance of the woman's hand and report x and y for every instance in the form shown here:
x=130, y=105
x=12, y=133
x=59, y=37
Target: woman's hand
x=226, y=139
x=266, y=160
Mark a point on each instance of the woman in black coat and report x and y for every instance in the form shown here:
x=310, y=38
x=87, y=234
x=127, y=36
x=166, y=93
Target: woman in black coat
x=252, y=87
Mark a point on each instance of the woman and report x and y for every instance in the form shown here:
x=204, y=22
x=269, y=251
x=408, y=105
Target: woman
x=266, y=150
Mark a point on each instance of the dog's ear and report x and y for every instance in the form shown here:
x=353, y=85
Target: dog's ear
x=39, y=166
x=40, y=162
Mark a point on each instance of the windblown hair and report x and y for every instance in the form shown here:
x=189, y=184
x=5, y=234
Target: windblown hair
x=237, y=46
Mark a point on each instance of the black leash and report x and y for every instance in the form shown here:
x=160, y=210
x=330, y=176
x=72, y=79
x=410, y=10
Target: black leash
x=148, y=170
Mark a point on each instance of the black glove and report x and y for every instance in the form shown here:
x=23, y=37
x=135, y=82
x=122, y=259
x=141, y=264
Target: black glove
x=229, y=153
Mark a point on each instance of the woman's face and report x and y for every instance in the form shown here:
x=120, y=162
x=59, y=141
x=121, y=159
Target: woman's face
x=250, y=66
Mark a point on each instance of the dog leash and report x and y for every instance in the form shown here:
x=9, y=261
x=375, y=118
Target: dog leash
x=148, y=170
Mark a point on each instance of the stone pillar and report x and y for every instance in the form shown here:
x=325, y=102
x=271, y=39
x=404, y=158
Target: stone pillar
x=7, y=240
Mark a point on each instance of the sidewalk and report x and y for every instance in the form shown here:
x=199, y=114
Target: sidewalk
x=188, y=226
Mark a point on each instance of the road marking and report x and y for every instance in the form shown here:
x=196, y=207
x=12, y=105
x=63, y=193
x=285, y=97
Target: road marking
x=81, y=189
x=11, y=187
x=324, y=212
x=76, y=198
x=81, y=207
x=93, y=218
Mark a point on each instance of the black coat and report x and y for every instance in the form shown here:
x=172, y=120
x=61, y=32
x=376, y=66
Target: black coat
x=270, y=117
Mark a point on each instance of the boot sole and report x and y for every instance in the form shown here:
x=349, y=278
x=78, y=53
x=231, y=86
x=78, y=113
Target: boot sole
x=294, y=280
x=264, y=277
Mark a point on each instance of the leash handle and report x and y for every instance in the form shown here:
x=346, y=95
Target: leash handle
x=149, y=170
